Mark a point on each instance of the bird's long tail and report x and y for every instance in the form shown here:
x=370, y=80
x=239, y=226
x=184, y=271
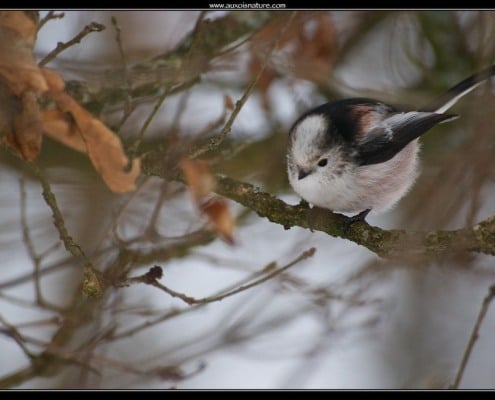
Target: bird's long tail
x=451, y=96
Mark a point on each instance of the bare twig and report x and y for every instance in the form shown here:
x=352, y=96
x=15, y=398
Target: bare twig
x=162, y=318
x=128, y=107
x=474, y=336
x=137, y=142
x=36, y=258
x=29, y=243
x=18, y=377
x=11, y=331
x=40, y=322
x=215, y=141
x=123, y=209
x=135, y=145
x=92, y=284
x=29, y=276
x=118, y=39
x=155, y=273
x=58, y=220
x=79, y=357
x=181, y=311
x=49, y=16
x=306, y=254
x=92, y=27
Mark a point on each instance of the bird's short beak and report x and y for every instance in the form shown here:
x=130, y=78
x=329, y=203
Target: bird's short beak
x=303, y=174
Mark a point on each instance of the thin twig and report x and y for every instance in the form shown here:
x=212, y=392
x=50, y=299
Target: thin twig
x=168, y=90
x=79, y=357
x=305, y=255
x=120, y=213
x=58, y=219
x=36, y=258
x=474, y=336
x=29, y=243
x=27, y=277
x=147, y=324
x=18, y=377
x=151, y=229
x=128, y=106
x=173, y=131
x=49, y=16
x=92, y=27
x=175, y=312
x=154, y=273
x=92, y=283
x=18, y=301
x=215, y=141
x=137, y=142
x=40, y=322
x=118, y=39
x=11, y=331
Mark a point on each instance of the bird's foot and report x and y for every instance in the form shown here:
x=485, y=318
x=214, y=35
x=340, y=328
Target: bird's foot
x=355, y=218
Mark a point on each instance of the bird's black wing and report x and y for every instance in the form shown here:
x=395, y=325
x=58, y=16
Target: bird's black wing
x=384, y=141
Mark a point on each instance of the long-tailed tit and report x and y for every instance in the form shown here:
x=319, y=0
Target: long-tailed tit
x=358, y=155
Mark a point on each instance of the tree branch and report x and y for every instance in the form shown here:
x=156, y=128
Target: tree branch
x=394, y=243
x=92, y=285
x=385, y=243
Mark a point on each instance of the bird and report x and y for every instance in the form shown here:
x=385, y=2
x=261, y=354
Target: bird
x=359, y=155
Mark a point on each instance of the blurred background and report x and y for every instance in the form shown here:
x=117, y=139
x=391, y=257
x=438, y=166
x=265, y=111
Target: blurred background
x=341, y=319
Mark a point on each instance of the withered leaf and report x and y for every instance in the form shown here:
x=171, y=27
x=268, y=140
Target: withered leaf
x=18, y=67
x=24, y=80
x=102, y=145
x=201, y=184
x=59, y=126
x=21, y=81
x=217, y=211
x=28, y=127
x=198, y=177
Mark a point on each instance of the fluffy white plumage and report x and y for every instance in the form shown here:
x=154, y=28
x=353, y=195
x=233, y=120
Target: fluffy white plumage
x=357, y=155
x=341, y=185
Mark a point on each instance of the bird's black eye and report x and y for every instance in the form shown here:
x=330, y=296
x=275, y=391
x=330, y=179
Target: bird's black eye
x=322, y=162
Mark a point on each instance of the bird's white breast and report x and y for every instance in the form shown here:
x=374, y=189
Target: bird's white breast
x=349, y=188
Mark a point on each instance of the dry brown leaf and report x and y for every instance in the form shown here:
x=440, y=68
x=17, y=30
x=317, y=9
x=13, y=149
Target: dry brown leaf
x=201, y=183
x=228, y=102
x=198, y=177
x=18, y=66
x=53, y=79
x=22, y=126
x=10, y=107
x=217, y=211
x=22, y=77
x=22, y=81
x=88, y=134
x=28, y=127
x=102, y=145
x=59, y=126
